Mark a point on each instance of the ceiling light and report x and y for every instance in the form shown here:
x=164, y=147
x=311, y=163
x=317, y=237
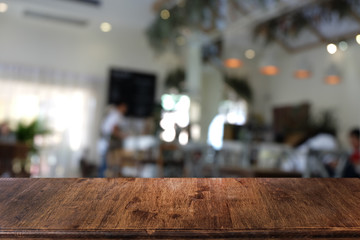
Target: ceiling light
x=269, y=70
x=302, y=74
x=269, y=62
x=250, y=54
x=332, y=79
x=233, y=63
x=358, y=39
x=331, y=48
x=333, y=75
x=105, y=27
x=3, y=7
x=303, y=71
x=343, y=46
x=165, y=14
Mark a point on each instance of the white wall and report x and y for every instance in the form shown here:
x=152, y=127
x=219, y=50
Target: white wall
x=284, y=89
x=259, y=85
x=73, y=49
x=343, y=99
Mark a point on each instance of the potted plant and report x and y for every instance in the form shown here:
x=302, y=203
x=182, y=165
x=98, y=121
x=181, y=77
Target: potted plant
x=25, y=136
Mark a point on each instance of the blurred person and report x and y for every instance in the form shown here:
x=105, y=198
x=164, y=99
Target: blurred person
x=6, y=135
x=216, y=130
x=352, y=168
x=112, y=133
x=321, y=140
x=354, y=137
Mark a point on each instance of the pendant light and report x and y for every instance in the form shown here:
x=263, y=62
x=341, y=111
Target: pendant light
x=232, y=57
x=333, y=76
x=268, y=63
x=233, y=63
x=303, y=71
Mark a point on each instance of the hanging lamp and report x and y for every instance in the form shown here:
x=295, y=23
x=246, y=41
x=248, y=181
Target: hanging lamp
x=268, y=64
x=333, y=76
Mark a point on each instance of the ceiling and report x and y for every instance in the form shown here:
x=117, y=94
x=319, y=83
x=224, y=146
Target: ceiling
x=138, y=14
x=134, y=14
x=326, y=30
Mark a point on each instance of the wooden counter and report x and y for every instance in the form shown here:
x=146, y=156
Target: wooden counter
x=180, y=208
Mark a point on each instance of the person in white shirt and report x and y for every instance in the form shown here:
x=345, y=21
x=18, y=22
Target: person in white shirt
x=112, y=133
x=216, y=132
x=322, y=141
x=216, y=129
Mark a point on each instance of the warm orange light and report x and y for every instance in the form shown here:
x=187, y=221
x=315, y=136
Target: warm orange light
x=233, y=63
x=302, y=74
x=269, y=70
x=332, y=79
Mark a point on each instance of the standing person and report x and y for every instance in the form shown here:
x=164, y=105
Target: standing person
x=352, y=168
x=355, y=145
x=112, y=133
x=318, y=140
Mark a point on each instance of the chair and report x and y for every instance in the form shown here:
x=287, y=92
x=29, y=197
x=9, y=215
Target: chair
x=8, y=153
x=117, y=160
x=171, y=160
x=271, y=155
x=317, y=160
x=197, y=156
x=266, y=158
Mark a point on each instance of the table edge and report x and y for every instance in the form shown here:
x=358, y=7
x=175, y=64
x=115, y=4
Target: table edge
x=184, y=233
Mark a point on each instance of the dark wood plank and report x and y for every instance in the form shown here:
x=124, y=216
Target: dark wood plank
x=180, y=208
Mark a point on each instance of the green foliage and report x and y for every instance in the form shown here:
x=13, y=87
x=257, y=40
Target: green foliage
x=176, y=79
x=26, y=133
x=191, y=15
x=240, y=86
x=291, y=24
x=156, y=114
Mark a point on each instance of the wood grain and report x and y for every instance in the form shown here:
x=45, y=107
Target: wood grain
x=180, y=208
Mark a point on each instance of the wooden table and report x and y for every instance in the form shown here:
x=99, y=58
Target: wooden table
x=180, y=208
x=255, y=172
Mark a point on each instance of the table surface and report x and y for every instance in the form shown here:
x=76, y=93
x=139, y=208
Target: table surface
x=218, y=208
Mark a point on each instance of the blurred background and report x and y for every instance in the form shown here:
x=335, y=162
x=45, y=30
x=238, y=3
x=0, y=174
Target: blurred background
x=179, y=88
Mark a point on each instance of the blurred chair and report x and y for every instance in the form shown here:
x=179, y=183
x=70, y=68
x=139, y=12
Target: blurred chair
x=124, y=163
x=148, y=162
x=267, y=160
x=133, y=159
x=119, y=160
x=9, y=153
x=233, y=155
x=171, y=160
x=318, y=163
x=197, y=157
x=271, y=155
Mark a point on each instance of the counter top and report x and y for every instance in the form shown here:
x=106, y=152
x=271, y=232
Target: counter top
x=189, y=208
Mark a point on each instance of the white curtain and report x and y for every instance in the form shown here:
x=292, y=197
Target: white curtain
x=66, y=102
